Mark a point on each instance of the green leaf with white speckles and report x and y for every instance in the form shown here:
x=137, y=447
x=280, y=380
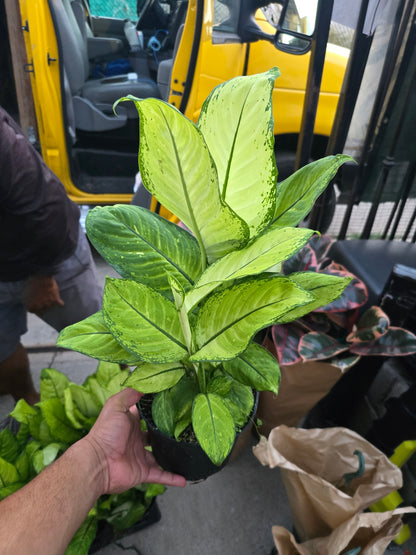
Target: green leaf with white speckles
x=237, y=124
x=227, y=320
x=296, y=195
x=163, y=412
x=177, y=168
x=264, y=252
x=213, y=426
x=143, y=246
x=152, y=378
x=92, y=337
x=143, y=321
x=255, y=367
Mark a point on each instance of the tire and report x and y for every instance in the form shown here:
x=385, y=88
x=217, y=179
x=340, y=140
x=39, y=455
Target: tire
x=285, y=161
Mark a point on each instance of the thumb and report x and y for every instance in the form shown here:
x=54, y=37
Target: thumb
x=56, y=293
x=124, y=400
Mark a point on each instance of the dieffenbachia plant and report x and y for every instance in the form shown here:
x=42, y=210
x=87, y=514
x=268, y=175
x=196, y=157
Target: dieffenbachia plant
x=191, y=300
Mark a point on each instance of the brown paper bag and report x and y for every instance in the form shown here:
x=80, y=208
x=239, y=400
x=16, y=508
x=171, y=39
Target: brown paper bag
x=313, y=463
x=302, y=385
x=372, y=532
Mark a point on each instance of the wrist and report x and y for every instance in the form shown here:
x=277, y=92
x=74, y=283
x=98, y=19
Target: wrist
x=40, y=277
x=90, y=459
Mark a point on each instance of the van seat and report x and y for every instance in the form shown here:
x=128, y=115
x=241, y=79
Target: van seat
x=92, y=99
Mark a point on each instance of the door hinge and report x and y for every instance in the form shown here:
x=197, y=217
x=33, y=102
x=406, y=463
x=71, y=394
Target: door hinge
x=29, y=68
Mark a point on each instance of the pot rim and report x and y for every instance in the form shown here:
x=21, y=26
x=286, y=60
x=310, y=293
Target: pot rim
x=239, y=431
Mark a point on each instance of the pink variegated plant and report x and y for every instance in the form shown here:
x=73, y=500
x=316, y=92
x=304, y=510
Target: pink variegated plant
x=337, y=332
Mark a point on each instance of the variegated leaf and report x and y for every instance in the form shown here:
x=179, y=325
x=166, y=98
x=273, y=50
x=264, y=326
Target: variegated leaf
x=177, y=168
x=373, y=324
x=261, y=254
x=354, y=295
x=152, y=378
x=142, y=246
x=395, y=342
x=93, y=338
x=324, y=289
x=296, y=195
x=143, y=321
x=318, y=346
x=255, y=367
x=344, y=363
x=227, y=320
x=245, y=160
x=286, y=340
x=213, y=426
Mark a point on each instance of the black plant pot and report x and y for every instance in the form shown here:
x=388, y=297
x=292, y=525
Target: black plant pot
x=107, y=535
x=182, y=457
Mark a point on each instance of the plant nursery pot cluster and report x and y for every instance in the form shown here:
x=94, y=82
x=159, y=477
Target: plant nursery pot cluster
x=106, y=534
x=183, y=457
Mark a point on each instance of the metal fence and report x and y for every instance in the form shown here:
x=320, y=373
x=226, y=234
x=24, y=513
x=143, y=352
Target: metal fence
x=377, y=197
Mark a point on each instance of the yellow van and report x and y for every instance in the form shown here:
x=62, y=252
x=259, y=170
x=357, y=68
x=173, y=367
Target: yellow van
x=81, y=61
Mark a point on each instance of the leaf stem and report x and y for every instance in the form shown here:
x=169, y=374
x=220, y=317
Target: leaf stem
x=184, y=320
x=203, y=253
x=201, y=375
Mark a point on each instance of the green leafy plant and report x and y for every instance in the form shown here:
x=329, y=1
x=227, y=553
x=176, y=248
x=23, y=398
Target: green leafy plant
x=190, y=300
x=65, y=413
x=339, y=332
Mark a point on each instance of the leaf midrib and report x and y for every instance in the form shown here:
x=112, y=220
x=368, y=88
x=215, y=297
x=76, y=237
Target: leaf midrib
x=195, y=227
x=153, y=324
x=256, y=370
x=231, y=156
x=235, y=322
x=161, y=253
x=300, y=198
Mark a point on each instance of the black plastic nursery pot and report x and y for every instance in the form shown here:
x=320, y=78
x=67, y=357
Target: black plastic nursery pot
x=106, y=534
x=183, y=457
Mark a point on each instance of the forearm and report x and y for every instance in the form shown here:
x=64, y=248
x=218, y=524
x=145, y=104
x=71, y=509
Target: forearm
x=43, y=516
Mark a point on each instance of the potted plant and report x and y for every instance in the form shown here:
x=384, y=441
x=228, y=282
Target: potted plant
x=190, y=300
x=34, y=436
x=340, y=332
x=315, y=350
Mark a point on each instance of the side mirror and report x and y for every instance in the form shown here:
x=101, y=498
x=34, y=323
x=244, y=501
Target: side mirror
x=248, y=29
x=296, y=26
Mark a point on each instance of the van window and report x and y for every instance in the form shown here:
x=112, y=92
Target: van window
x=339, y=34
x=226, y=15
x=300, y=16
x=272, y=13
x=121, y=9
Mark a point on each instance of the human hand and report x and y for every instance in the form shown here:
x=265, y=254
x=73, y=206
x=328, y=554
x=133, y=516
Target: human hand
x=40, y=293
x=119, y=444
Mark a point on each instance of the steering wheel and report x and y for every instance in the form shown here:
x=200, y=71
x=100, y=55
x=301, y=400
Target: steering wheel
x=150, y=15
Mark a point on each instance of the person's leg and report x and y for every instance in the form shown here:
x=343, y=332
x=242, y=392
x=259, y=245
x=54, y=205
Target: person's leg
x=82, y=296
x=15, y=377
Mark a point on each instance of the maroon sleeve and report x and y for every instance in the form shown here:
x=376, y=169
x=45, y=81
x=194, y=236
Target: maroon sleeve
x=38, y=221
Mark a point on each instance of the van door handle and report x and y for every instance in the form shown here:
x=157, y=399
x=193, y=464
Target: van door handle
x=51, y=60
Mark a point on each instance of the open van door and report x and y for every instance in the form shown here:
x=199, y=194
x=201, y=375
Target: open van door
x=82, y=59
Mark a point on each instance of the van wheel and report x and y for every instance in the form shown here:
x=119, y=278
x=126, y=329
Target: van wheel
x=285, y=161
